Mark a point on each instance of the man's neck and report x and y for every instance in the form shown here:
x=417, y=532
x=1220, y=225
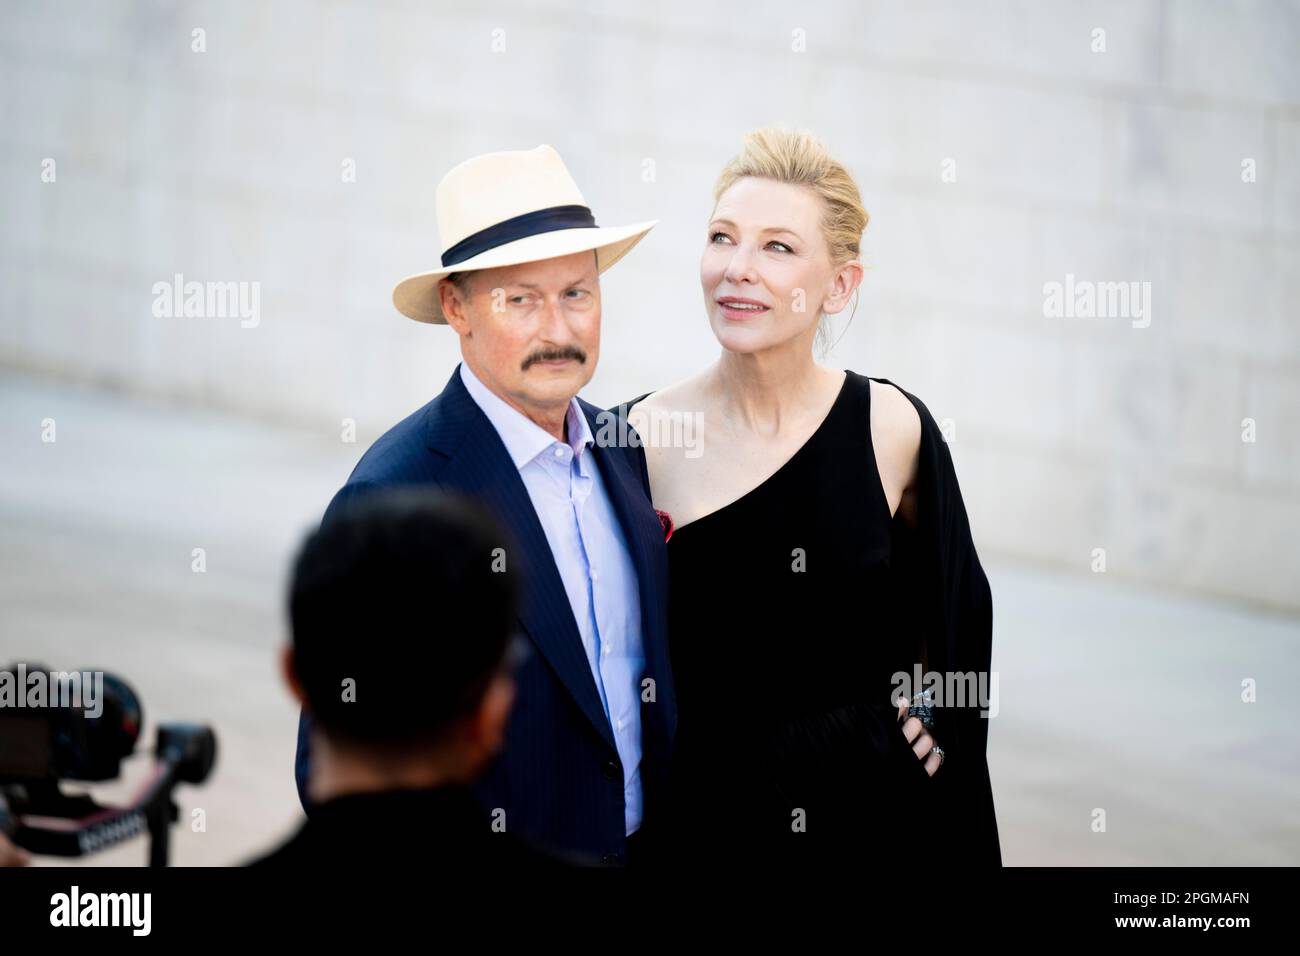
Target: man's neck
x=339, y=773
x=551, y=419
x=553, y=422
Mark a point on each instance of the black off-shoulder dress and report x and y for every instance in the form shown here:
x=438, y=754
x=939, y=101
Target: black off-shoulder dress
x=791, y=611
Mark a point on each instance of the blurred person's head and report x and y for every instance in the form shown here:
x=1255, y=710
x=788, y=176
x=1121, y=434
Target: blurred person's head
x=402, y=620
x=782, y=243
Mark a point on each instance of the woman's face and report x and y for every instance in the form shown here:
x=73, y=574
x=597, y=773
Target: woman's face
x=766, y=269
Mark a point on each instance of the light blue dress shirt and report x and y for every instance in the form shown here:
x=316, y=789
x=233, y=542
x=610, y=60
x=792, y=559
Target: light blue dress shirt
x=586, y=539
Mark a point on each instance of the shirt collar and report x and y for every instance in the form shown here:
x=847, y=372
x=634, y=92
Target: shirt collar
x=525, y=439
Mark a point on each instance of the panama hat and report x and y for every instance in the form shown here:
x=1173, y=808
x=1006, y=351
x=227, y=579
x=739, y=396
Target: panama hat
x=505, y=209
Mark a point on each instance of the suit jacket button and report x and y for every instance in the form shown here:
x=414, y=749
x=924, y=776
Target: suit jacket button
x=611, y=859
x=610, y=770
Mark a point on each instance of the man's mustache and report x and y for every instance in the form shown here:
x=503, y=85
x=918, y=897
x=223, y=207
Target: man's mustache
x=572, y=352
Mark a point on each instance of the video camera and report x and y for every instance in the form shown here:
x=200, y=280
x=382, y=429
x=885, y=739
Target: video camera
x=58, y=725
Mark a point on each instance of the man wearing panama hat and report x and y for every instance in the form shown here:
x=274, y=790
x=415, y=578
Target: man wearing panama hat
x=584, y=764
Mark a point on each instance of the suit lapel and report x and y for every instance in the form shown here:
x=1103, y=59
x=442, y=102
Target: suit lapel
x=478, y=464
x=641, y=531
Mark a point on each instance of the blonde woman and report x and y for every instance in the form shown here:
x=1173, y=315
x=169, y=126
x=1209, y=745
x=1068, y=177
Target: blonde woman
x=818, y=550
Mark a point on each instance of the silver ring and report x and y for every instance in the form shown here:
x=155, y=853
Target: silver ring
x=942, y=755
x=919, y=707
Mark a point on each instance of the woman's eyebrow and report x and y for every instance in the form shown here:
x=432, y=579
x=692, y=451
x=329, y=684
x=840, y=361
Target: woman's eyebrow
x=765, y=229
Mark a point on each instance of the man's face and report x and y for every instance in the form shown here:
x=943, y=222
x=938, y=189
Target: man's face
x=531, y=332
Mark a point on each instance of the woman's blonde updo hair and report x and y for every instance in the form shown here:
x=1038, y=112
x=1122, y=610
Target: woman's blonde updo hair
x=799, y=158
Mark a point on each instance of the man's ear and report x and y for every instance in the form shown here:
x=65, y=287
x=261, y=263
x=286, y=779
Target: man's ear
x=489, y=723
x=453, y=307
x=290, y=675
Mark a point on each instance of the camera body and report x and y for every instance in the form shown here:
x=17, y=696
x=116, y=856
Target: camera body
x=56, y=726
x=65, y=725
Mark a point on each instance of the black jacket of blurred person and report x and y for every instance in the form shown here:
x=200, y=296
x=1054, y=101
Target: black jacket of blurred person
x=402, y=650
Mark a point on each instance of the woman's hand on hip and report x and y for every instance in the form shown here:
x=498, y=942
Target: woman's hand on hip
x=920, y=739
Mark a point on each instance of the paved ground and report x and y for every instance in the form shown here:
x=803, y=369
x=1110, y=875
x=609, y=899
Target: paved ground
x=1110, y=697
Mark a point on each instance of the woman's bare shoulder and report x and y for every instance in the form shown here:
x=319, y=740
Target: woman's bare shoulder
x=679, y=397
x=895, y=426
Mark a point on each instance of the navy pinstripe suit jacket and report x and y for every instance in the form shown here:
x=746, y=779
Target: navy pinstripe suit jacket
x=558, y=776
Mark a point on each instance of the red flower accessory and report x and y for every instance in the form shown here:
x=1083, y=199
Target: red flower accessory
x=665, y=522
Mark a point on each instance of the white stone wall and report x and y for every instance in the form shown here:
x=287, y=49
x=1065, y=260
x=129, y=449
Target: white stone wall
x=1070, y=434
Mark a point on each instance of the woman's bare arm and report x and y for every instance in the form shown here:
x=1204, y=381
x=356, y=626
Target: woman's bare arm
x=896, y=436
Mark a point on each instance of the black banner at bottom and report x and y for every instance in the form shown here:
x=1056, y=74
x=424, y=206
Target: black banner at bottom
x=205, y=905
